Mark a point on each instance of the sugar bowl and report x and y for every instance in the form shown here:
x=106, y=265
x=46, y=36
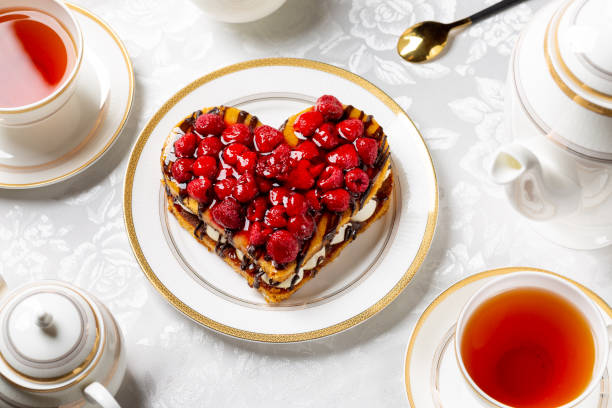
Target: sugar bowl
x=59, y=346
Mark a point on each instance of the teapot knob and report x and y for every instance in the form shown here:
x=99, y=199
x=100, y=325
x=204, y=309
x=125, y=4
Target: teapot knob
x=44, y=320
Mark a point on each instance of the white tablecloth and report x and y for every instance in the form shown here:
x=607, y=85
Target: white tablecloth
x=74, y=230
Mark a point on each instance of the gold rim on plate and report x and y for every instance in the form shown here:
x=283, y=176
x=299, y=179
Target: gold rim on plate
x=473, y=278
x=244, y=334
x=110, y=142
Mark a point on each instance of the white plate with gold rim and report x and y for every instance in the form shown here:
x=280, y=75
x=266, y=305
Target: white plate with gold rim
x=81, y=131
x=433, y=377
x=364, y=279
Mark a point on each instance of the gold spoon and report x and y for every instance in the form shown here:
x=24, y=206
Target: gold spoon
x=424, y=41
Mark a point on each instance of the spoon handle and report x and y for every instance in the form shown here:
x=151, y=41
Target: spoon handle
x=493, y=9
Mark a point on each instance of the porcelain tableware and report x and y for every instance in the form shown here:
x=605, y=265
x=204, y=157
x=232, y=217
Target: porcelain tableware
x=547, y=282
x=558, y=172
x=239, y=11
x=59, y=346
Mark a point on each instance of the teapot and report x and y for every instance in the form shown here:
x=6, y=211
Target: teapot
x=558, y=171
x=59, y=347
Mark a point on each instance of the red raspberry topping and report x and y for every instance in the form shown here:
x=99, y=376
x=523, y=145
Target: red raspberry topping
x=316, y=169
x=326, y=136
x=258, y=233
x=296, y=204
x=357, y=180
x=257, y=209
x=210, y=146
x=198, y=189
x=224, y=188
x=279, y=195
x=231, y=152
x=263, y=184
x=282, y=247
x=246, y=161
x=306, y=150
x=185, y=146
x=205, y=166
x=336, y=200
x=367, y=149
x=307, y=123
x=275, y=165
x=313, y=200
x=181, y=170
x=345, y=157
x=350, y=129
x=331, y=178
x=228, y=214
x=276, y=217
x=300, y=176
x=245, y=188
x=209, y=124
x=301, y=226
x=236, y=133
x=267, y=138
x=330, y=107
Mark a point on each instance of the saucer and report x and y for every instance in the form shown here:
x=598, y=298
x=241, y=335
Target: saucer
x=74, y=137
x=433, y=377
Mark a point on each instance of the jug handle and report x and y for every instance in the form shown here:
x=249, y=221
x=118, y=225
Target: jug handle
x=97, y=393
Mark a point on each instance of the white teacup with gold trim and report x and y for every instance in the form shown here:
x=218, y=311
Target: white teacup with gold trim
x=516, y=360
x=59, y=346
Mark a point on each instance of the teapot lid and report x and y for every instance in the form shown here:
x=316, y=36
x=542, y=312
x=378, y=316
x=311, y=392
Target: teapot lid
x=579, y=52
x=50, y=335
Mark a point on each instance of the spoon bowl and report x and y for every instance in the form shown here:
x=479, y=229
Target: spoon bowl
x=423, y=41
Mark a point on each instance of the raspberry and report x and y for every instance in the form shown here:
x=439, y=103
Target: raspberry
x=205, y=166
x=296, y=204
x=198, y=189
x=313, y=200
x=276, y=217
x=209, y=124
x=316, y=169
x=267, y=138
x=263, y=184
x=305, y=150
x=336, y=200
x=350, y=129
x=210, y=146
x=345, y=157
x=331, y=178
x=275, y=164
x=181, y=170
x=228, y=214
x=246, y=161
x=257, y=209
x=231, y=152
x=307, y=123
x=279, y=195
x=236, y=133
x=185, y=146
x=301, y=226
x=224, y=188
x=357, y=180
x=326, y=136
x=258, y=233
x=367, y=149
x=282, y=247
x=300, y=177
x=245, y=188
x=330, y=107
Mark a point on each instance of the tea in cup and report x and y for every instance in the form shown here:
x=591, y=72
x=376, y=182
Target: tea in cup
x=531, y=340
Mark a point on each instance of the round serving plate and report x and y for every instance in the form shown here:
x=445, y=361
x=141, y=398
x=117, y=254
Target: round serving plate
x=432, y=374
x=368, y=274
x=85, y=127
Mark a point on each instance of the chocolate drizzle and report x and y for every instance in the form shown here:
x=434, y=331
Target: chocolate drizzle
x=242, y=115
x=199, y=230
x=257, y=279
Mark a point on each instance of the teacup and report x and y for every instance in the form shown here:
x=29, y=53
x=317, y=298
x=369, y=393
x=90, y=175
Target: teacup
x=545, y=282
x=47, y=106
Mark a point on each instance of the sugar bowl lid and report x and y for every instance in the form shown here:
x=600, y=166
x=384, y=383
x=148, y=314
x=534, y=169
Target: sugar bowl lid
x=50, y=334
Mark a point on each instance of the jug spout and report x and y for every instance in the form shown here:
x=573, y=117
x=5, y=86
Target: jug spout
x=537, y=192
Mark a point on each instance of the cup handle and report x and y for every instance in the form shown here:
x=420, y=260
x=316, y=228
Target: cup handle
x=97, y=393
x=3, y=286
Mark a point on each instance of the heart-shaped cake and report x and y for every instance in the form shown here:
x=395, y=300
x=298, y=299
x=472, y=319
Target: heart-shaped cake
x=277, y=204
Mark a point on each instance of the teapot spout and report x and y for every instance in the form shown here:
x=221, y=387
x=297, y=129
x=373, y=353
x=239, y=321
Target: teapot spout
x=535, y=191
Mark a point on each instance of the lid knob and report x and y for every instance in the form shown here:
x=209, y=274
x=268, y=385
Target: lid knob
x=44, y=320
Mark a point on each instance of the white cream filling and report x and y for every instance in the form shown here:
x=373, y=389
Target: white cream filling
x=311, y=264
x=366, y=212
x=339, y=237
x=239, y=254
x=212, y=233
x=169, y=150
